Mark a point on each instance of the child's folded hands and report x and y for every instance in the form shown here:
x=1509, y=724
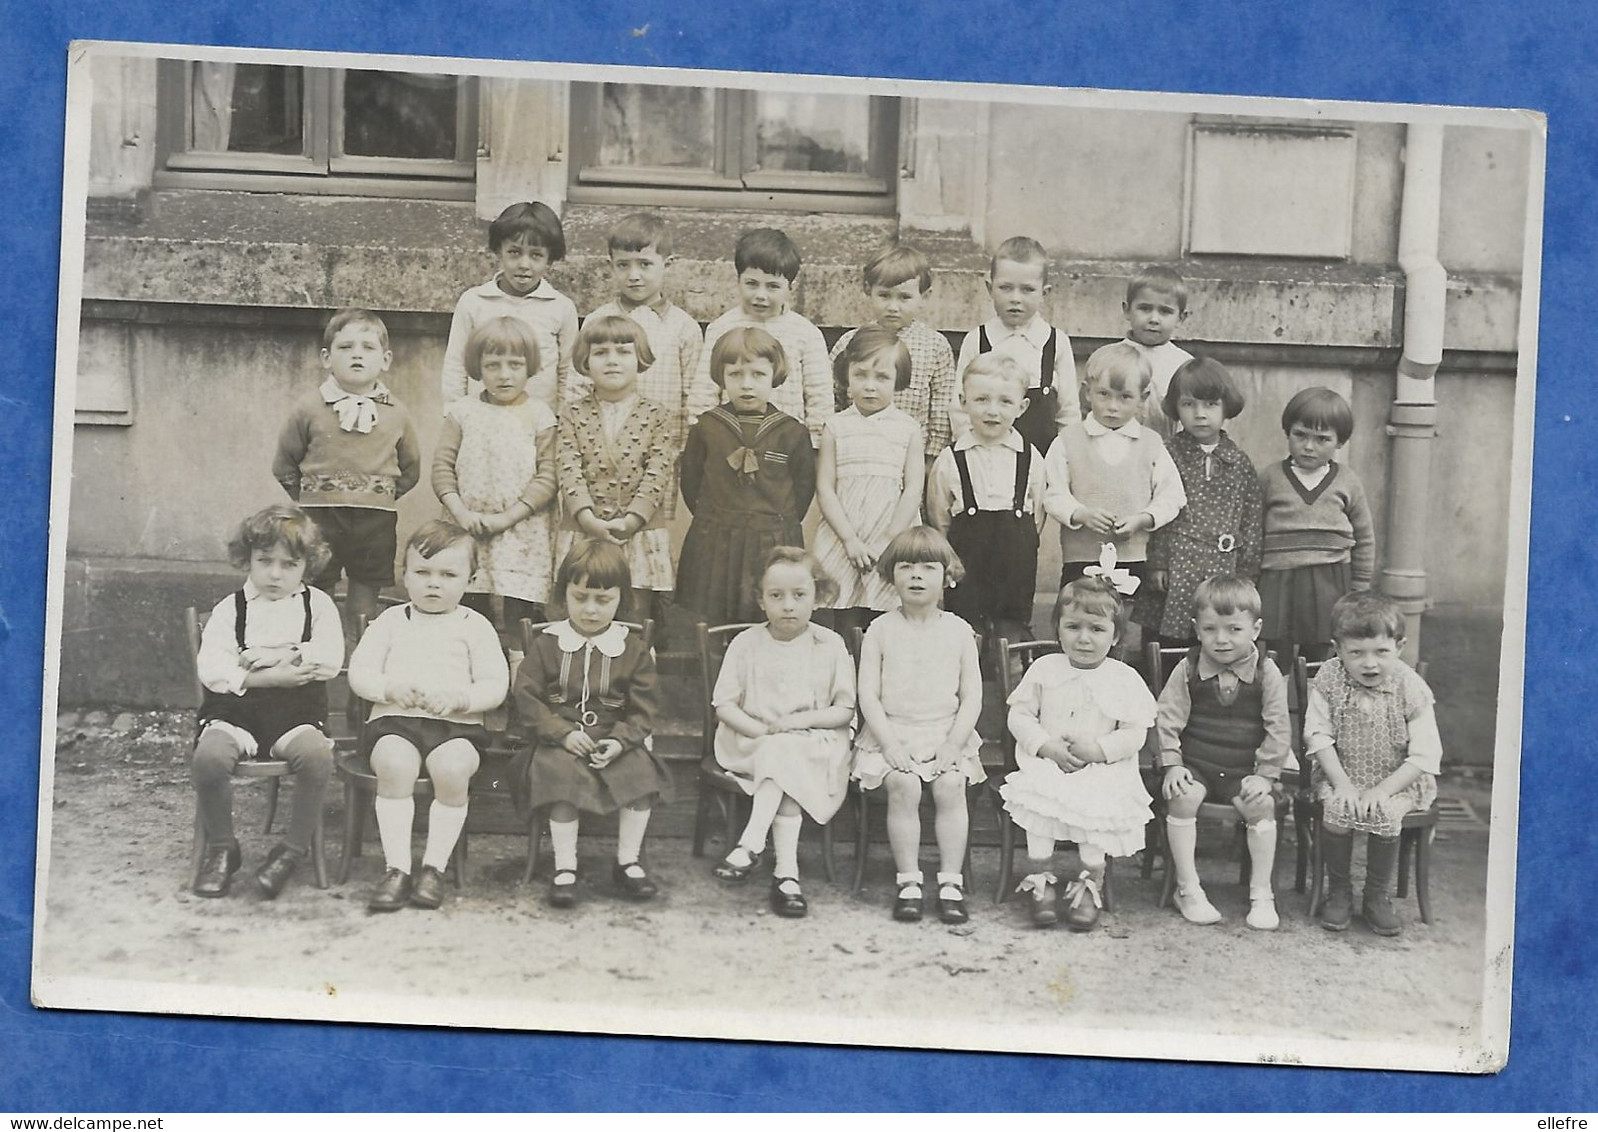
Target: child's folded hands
x=605, y=752
x=580, y=743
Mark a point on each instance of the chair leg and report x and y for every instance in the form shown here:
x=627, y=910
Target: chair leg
x=701, y=816
x=1423, y=874
x=1317, y=868
x=1168, y=879
x=271, y=802
x=319, y=851
x=354, y=820
x=862, y=837
x=1153, y=842
x=198, y=852
x=457, y=860
x=535, y=834
x=1301, y=839
x=1006, y=856
x=729, y=810
x=826, y=854
x=1406, y=839
x=1108, y=893
x=1245, y=866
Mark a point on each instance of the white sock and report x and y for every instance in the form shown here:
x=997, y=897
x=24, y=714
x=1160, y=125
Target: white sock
x=1093, y=857
x=563, y=839
x=762, y=811
x=1262, y=858
x=630, y=835
x=902, y=879
x=395, y=816
x=1038, y=847
x=956, y=879
x=785, y=844
x=1182, y=836
x=444, y=824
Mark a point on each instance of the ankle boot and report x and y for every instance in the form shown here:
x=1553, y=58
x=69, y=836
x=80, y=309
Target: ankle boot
x=1337, y=851
x=1381, y=860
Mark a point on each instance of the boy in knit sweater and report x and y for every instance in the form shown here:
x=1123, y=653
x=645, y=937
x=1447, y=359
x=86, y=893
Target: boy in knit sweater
x=347, y=453
x=768, y=266
x=1224, y=737
x=430, y=669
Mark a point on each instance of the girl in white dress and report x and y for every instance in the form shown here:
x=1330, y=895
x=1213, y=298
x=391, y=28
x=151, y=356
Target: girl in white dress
x=869, y=474
x=494, y=472
x=785, y=700
x=1079, y=720
x=920, y=696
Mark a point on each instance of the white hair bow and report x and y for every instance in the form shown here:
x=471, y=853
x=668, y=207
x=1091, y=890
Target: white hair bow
x=1123, y=581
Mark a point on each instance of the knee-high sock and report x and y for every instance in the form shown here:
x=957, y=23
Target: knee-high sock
x=1261, y=857
x=762, y=810
x=1181, y=834
x=394, y=819
x=1093, y=858
x=444, y=824
x=785, y=844
x=310, y=757
x=630, y=835
x=215, y=756
x=563, y=840
x=1038, y=847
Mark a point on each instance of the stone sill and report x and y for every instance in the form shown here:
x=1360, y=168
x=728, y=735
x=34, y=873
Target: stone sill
x=321, y=253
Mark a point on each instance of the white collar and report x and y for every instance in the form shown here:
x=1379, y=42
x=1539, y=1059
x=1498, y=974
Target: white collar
x=492, y=289
x=253, y=593
x=968, y=440
x=1036, y=332
x=612, y=642
x=1095, y=427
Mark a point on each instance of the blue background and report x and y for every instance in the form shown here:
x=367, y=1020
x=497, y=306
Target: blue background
x=1478, y=53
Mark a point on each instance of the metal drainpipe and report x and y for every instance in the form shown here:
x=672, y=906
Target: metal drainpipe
x=1413, y=423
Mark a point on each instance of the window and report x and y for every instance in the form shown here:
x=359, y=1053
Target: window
x=757, y=149
x=262, y=126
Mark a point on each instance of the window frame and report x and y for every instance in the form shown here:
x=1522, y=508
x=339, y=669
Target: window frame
x=733, y=181
x=322, y=167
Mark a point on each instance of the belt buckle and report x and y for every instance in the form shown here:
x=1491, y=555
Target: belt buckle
x=1226, y=543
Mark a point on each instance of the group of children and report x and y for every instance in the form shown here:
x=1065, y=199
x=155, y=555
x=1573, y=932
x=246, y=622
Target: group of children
x=561, y=457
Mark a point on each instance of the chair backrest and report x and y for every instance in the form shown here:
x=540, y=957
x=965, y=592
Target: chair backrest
x=1026, y=652
x=1298, y=699
x=1158, y=660
x=712, y=643
x=193, y=625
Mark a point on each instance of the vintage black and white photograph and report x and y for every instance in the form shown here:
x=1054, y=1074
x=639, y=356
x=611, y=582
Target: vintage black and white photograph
x=771, y=557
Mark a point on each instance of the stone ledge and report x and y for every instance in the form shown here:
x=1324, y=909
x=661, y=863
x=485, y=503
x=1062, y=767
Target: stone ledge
x=320, y=253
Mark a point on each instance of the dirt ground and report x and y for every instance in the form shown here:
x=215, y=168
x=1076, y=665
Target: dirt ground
x=118, y=909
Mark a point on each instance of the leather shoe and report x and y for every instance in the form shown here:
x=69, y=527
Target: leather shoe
x=633, y=887
x=905, y=906
x=563, y=895
x=275, y=871
x=393, y=892
x=427, y=891
x=1083, y=899
x=952, y=911
x=217, y=868
x=789, y=905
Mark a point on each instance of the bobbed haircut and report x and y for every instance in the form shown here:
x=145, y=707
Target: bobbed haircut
x=920, y=544
x=990, y=365
x=439, y=535
x=826, y=587
x=1094, y=596
x=639, y=231
x=1318, y=407
x=610, y=329
x=353, y=316
x=1363, y=614
x=530, y=220
x=1226, y=594
x=1203, y=379
x=1120, y=365
x=596, y=564
x=769, y=250
x=1158, y=277
x=747, y=344
x=502, y=337
x=1021, y=249
x=896, y=264
x=281, y=524
x=867, y=343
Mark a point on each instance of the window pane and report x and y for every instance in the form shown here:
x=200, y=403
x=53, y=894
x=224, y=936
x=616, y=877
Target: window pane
x=393, y=114
x=246, y=108
x=666, y=126
x=814, y=133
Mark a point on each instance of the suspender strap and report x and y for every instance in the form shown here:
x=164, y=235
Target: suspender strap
x=1023, y=471
x=305, y=633
x=240, y=616
x=1046, y=376
x=983, y=345
x=968, y=493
